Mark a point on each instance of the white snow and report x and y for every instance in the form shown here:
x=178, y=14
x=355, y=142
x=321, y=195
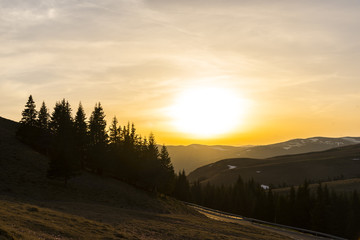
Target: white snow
x=219, y=148
x=231, y=167
x=265, y=187
x=294, y=144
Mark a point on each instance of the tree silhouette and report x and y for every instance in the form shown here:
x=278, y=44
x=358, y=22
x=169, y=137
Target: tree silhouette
x=97, y=126
x=98, y=139
x=43, y=118
x=81, y=134
x=182, y=188
x=28, y=131
x=29, y=114
x=63, y=162
x=114, y=132
x=167, y=175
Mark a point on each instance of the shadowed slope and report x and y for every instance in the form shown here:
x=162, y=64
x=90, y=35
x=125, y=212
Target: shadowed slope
x=290, y=169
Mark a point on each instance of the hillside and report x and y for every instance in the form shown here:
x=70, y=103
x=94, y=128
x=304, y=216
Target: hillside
x=92, y=207
x=346, y=185
x=193, y=156
x=290, y=169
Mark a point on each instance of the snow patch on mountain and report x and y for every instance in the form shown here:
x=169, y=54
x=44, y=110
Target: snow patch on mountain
x=294, y=144
x=219, y=148
x=231, y=167
x=314, y=139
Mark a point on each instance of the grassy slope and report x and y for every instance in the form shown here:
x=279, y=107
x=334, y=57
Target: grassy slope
x=92, y=207
x=291, y=169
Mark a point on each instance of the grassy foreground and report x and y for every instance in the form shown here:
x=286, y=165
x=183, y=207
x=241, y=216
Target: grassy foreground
x=90, y=221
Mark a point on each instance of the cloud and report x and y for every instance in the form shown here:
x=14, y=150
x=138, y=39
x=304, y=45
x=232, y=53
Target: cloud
x=136, y=53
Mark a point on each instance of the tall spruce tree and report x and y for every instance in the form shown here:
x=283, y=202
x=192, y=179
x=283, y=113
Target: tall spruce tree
x=114, y=132
x=28, y=131
x=43, y=141
x=167, y=175
x=43, y=118
x=29, y=114
x=98, y=139
x=149, y=166
x=81, y=134
x=97, y=126
x=63, y=162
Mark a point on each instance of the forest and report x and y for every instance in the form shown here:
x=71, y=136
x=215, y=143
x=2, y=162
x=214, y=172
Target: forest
x=75, y=144
x=323, y=210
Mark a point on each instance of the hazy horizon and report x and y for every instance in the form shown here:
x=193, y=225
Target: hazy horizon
x=274, y=71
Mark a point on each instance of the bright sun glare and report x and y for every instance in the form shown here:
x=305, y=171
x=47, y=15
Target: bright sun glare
x=207, y=112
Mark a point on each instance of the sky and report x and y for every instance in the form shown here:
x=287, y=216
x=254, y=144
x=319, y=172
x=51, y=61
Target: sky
x=292, y=65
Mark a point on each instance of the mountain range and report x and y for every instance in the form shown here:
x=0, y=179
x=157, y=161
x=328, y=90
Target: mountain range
x=193, y=156
x=337, y=163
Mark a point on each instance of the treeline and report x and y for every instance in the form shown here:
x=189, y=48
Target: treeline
x=323, y=210
x=74, y=144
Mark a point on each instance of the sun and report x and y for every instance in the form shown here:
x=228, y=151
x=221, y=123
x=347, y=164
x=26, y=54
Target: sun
x=207, y=112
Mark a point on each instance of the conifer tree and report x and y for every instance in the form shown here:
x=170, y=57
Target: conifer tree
x=43, y=117
x=97, y=126
x=150, y=165
x=98, y=139
x=165, y=158
x=80, y=124
x=153, y=151
x=63, y=161
x=28, y=131
x=167, y=175
x=182, y=189
x=29, y=114
x=114, y=133
x=81, y=133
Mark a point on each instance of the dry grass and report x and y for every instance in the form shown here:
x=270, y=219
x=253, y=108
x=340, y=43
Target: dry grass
x=88, y=221
x=92, y=207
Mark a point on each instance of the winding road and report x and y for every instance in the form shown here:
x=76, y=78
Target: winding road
x=228, y=217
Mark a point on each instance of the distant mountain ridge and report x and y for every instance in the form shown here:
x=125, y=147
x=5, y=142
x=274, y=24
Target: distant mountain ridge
x=336, y=163
x=193, y=156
